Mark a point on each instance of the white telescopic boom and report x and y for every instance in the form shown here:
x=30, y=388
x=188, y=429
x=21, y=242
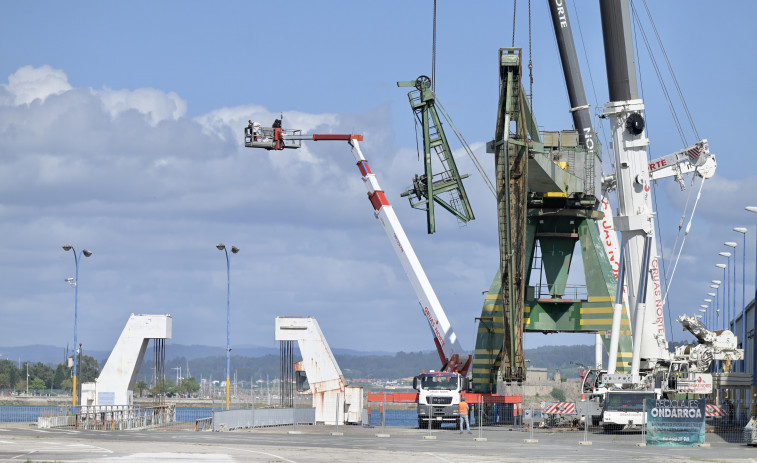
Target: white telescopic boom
x=444, y=337
x=452, y=355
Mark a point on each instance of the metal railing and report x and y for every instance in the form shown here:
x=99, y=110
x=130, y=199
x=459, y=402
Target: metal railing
x=226, y=420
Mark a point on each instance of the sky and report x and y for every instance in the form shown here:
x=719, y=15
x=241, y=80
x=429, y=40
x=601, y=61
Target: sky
x=121, y=132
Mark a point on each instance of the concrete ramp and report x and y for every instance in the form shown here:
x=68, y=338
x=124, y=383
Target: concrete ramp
x=326, y=381
x=115, y=384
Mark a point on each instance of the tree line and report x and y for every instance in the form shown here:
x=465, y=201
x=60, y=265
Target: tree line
x=38, y=376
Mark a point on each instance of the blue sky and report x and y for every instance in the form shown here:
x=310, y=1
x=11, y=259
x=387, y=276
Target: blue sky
x=120, y=132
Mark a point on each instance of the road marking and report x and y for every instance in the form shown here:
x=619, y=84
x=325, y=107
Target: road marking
x=174, y=457
x=439, y=457
x=260, y=453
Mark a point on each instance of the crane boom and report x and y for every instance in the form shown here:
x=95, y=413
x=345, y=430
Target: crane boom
x=452, y=355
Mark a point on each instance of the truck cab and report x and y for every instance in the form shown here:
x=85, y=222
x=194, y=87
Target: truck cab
x=439, y=397
x=624, y=410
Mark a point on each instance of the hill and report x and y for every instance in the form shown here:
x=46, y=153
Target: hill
x=260, y=362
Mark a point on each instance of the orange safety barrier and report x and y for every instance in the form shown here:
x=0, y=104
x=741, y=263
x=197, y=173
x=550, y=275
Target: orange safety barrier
x=395, y=397
x=470, y=397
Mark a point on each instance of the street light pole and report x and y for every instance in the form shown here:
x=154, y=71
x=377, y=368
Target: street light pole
x=75, y=284
x=733, y=244
x=234, y=250
x=726, y=293
x=711, y=296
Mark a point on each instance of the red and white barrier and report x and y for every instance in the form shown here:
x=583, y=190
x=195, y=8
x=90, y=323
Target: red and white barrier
x=562, y=408
x=714, y=411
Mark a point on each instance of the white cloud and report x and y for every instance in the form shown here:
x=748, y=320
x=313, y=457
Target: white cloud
x=29, y=84
x=126, y=174
x=155, y=104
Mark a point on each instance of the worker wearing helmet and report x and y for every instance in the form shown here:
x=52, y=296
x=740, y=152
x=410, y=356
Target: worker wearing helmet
x=463, y=411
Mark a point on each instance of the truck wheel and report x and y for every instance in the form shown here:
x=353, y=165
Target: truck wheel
x=422, y=424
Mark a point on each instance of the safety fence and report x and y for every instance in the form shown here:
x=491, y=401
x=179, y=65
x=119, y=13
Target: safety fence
x=483, y=409
x=226, y=420
x=724, y=422
x=104, y=417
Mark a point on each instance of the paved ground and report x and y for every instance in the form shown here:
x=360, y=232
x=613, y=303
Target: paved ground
x=316, y=444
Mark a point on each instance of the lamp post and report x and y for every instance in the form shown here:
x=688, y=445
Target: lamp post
x=732, y=297
x=75, y=284
x=711, y=296
x=742, y=230
x=725, y=289
x=716, y=286
x=707, y=306
x=234, y=250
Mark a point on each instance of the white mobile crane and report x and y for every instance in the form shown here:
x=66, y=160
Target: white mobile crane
x=654, y=369
x=441, y=389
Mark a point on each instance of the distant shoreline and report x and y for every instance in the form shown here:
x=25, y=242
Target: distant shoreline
x=58, y=401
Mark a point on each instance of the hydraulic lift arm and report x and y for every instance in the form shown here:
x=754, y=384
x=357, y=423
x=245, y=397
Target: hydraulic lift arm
x=452, y=355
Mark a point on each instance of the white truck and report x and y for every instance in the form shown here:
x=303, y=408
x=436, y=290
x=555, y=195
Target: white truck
x=624, y=409
x=439, y=396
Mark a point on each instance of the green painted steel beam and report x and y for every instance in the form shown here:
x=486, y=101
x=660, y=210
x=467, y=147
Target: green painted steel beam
x=432, y=187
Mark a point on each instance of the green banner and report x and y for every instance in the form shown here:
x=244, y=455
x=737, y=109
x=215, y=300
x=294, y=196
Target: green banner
x=675, y=422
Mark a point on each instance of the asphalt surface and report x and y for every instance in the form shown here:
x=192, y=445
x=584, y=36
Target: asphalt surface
x=357, y=444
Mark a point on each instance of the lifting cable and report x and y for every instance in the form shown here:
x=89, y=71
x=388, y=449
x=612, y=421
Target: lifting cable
x=670, y=69
x=664, y=88
x=530, y=63
x=467, y=148
x=686, y=233
x=457, y=132
x=515, y=5
x=678, y=125
x=637, y=24
x=433, y=54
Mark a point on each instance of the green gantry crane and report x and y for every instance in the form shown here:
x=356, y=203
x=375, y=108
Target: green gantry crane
x=541, y=198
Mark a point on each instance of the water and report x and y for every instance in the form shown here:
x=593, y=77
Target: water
x=27, y=413
x=406, y=418
x=30, y=413
x=193, y=413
